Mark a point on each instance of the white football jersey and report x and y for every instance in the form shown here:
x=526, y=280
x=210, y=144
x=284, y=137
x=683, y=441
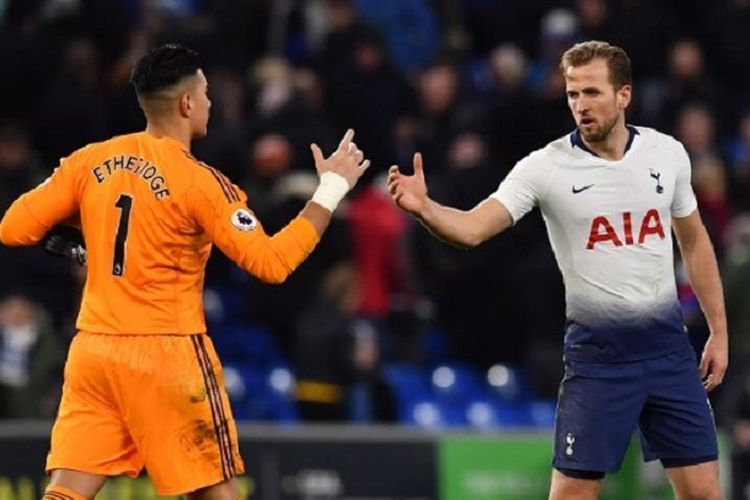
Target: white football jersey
x=609, y=224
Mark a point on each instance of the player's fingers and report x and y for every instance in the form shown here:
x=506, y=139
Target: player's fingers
x=365, y=165
x=393, y=170
x=317, y=153
x=418, y=169
x=718, y=376
x=704, y=367
x=346, y=140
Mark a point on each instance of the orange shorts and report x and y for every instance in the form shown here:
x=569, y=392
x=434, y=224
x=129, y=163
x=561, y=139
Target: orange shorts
x=157, y=401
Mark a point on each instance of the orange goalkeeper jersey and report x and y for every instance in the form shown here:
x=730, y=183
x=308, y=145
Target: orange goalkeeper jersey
x=150, y=212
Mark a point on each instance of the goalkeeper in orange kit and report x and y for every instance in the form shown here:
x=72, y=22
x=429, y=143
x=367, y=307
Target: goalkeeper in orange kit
x=143, y=385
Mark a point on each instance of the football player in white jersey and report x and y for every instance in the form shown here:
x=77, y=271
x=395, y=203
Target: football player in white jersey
x=609, y=193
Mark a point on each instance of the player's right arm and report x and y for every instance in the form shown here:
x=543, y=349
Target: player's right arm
x=460, y=228
x=53, y=202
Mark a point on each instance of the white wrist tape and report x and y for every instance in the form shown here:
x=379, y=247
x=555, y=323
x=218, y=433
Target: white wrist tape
x=331, y=190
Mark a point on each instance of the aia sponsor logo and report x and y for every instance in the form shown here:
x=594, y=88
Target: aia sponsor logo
x=603, y=231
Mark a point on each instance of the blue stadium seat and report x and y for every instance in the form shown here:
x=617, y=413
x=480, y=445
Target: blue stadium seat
x=261, y=394
x=489, y=413
x=407, y=381
x=542, y=413
x=431, y=413
x=222, y=304
x=409, y=384
x=237, y=392
x=436, y=347
x=456, y=382
x=247, y=344
x=280, y=393
x=506, y=383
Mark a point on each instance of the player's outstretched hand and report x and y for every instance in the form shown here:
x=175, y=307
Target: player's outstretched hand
x=348, y=160
x=66, y=241
x=409, y=191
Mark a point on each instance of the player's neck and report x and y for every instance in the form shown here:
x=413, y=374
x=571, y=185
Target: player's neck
x=613, y=147
x=173, y=131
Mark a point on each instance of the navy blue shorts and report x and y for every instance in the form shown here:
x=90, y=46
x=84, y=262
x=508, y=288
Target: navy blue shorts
x=600, y=405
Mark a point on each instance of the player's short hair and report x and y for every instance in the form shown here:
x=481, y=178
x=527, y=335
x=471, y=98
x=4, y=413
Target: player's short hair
x=617, y=60
x=163, y=67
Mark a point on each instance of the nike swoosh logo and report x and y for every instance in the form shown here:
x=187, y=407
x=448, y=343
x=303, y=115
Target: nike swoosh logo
x=582, y=188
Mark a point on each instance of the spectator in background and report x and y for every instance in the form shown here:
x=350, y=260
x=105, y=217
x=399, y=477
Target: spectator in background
x=19, y=168
x=724, y=33
x=280, y=192
x=711, y=190
x=323, y=343
x=739, y=163
x=344, y=25
x=31, y=360
x=512, y=116
x=27, y=272
x=695, y=128
x=29, y=54
x=491, y=22
x=664, y=98
x=227, y=144
x=337, y=356
x=736, y=274
x=282, y=100
x=74, y=110
x=595, y=19
x=444, y=112
x=472, y=302
x=269, y=158
x=741, y=446
x=559, y=31
x=377, y=231
x=409, y=27
x=365, y=91
x=647, y=29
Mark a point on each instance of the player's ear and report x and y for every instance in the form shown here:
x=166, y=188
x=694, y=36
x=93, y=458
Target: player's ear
x=186, y=104
x=624, y=95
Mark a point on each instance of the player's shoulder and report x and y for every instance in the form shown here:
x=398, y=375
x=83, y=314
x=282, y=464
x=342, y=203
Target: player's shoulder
x=116, y=141
x=210, y=180
x=96, y=149
x=654, y=137
x=555, y=152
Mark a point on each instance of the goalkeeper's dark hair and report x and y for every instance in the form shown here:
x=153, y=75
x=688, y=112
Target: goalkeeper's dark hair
x=163, y=67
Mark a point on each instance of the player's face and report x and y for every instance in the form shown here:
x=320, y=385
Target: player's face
x=596, y=106
x=201, y=105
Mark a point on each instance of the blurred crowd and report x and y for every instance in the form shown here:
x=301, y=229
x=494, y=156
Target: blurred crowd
x=472, y=84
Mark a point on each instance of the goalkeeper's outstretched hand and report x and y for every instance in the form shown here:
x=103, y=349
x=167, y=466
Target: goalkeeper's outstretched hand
x=66, y=241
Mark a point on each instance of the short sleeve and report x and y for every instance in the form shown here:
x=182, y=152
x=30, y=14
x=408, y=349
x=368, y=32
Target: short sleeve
x=683, y=202
x=524, y=186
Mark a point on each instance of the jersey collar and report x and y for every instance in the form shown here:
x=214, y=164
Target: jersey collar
x=577, y=141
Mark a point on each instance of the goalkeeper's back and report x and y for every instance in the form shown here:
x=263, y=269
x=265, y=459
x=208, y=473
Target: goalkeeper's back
x=149, y=212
